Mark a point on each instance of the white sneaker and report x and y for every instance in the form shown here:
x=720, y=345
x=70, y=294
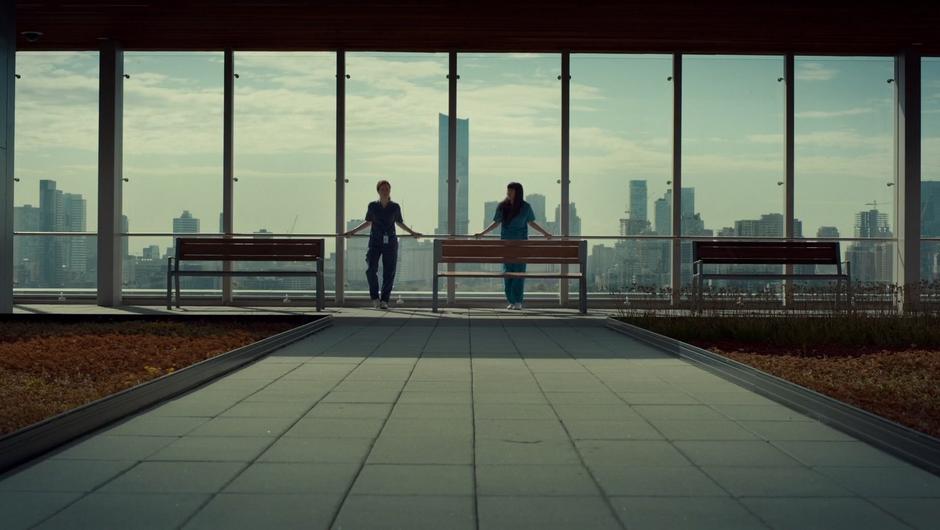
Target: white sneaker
x=517, y=306
x=375, y=304
x=383, y=305
x=510, y=306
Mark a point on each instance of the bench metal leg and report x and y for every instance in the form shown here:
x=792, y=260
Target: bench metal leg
x=434, y=289
x=176, y=278
x=582, y=295
x=320, y=289
x=169, y=283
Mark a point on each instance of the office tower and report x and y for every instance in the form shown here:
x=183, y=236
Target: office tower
x=27, y=251
x=63, y=260
x=769, y=225
x=637, y=207
x=185, y=224
x=537, y=202
x=463, y=175
x=489, y=210
x=125, y=228
x=930, y=227
x=662, y=216
x=871, y=261
x=356, y=249
x=827, y=232
x=574, y=221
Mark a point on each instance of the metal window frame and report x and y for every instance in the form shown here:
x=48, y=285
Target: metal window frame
x=907, y=177
x=228, y=163
x=7, y=108
x=676, y=272
x=565, y=180
x=339, y=288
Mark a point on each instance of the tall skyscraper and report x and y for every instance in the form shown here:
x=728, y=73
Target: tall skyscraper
x=872, y=261
x=872, y=223
x=537, y=201
x=186, y=224
x=827, y=232
x=663, y=213
x=489, y=210
x=930, y=227
x=463, y=175
x=638, y=201
x=574, y=221
x=63, y=260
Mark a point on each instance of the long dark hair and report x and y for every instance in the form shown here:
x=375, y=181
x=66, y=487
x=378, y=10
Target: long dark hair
x=510, y=209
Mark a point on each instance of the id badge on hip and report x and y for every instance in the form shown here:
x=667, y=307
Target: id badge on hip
x=385, y=239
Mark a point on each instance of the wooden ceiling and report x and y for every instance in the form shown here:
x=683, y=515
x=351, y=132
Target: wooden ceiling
x=689, y=26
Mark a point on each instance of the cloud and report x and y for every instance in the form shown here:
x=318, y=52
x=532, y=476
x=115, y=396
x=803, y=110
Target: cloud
x=812, y=71
x=856, y=111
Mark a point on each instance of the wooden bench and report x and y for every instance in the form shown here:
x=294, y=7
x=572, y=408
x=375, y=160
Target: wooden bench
x=553, y=252
x=229, y=250
x=767, y=253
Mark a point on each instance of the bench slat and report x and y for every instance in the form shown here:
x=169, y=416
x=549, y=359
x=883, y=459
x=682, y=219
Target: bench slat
x=769, y=253
x=222, y=249
x=469, y=274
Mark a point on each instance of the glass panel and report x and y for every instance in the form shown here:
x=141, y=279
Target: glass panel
x=285, y=142
x=56, y=165
x=172, y=146
x=285, y=157
x=621, y=170
x=732, y=148
x=145, y=272
x=510, y=116
x=396, y=130
x=930, y=168
x=62, y=263
x=845, y=157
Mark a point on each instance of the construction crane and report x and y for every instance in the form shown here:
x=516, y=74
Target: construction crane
x=873, y=204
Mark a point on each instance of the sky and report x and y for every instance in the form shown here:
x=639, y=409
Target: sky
x=621, y=129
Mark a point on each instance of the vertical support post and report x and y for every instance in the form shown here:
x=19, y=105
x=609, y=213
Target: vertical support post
x=340, y=281
x=228, y=163
x=676, y=275
x=452, y=77
x=7, y=92
x=907, y=175
x=110, y=172
x=789, y=139
x=566, y=166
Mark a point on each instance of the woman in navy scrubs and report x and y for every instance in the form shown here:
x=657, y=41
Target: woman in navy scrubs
x=515, y=215
x=382, y=215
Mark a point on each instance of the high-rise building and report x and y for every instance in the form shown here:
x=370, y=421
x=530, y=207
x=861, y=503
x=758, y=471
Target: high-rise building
x=185, y=224
x=638, y=201
x=871, y=261
x=574, y=221
x=769, y=225
x=63, y=260
x=489, y=210
x=662, y=216
x=663, y=212
x=930, y=227
x=537, y=202
x=463, y=175
x=827, y=232
x=27, y=251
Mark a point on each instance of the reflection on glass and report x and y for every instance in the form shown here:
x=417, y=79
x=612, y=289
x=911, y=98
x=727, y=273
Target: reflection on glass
x=621, y=165
x=396, y=127
x=56, y=164
x=844, y=157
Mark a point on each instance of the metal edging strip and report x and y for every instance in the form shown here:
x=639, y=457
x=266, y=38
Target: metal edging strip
x=36, y=440
x=917, y=448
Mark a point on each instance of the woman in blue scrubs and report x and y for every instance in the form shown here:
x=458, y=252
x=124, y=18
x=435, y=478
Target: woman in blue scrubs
x=515, y=215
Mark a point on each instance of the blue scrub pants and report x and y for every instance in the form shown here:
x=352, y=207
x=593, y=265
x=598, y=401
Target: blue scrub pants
x=389, y=254
x=515, y=287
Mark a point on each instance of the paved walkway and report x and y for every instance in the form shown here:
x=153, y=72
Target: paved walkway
x=472, y=420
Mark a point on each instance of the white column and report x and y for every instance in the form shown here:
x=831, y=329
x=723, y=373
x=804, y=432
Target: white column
x=228, y=162
x=110, y=172
x=340, y=261
x=907, y=183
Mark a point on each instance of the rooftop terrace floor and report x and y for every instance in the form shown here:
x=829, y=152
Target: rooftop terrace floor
x=464, y=420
